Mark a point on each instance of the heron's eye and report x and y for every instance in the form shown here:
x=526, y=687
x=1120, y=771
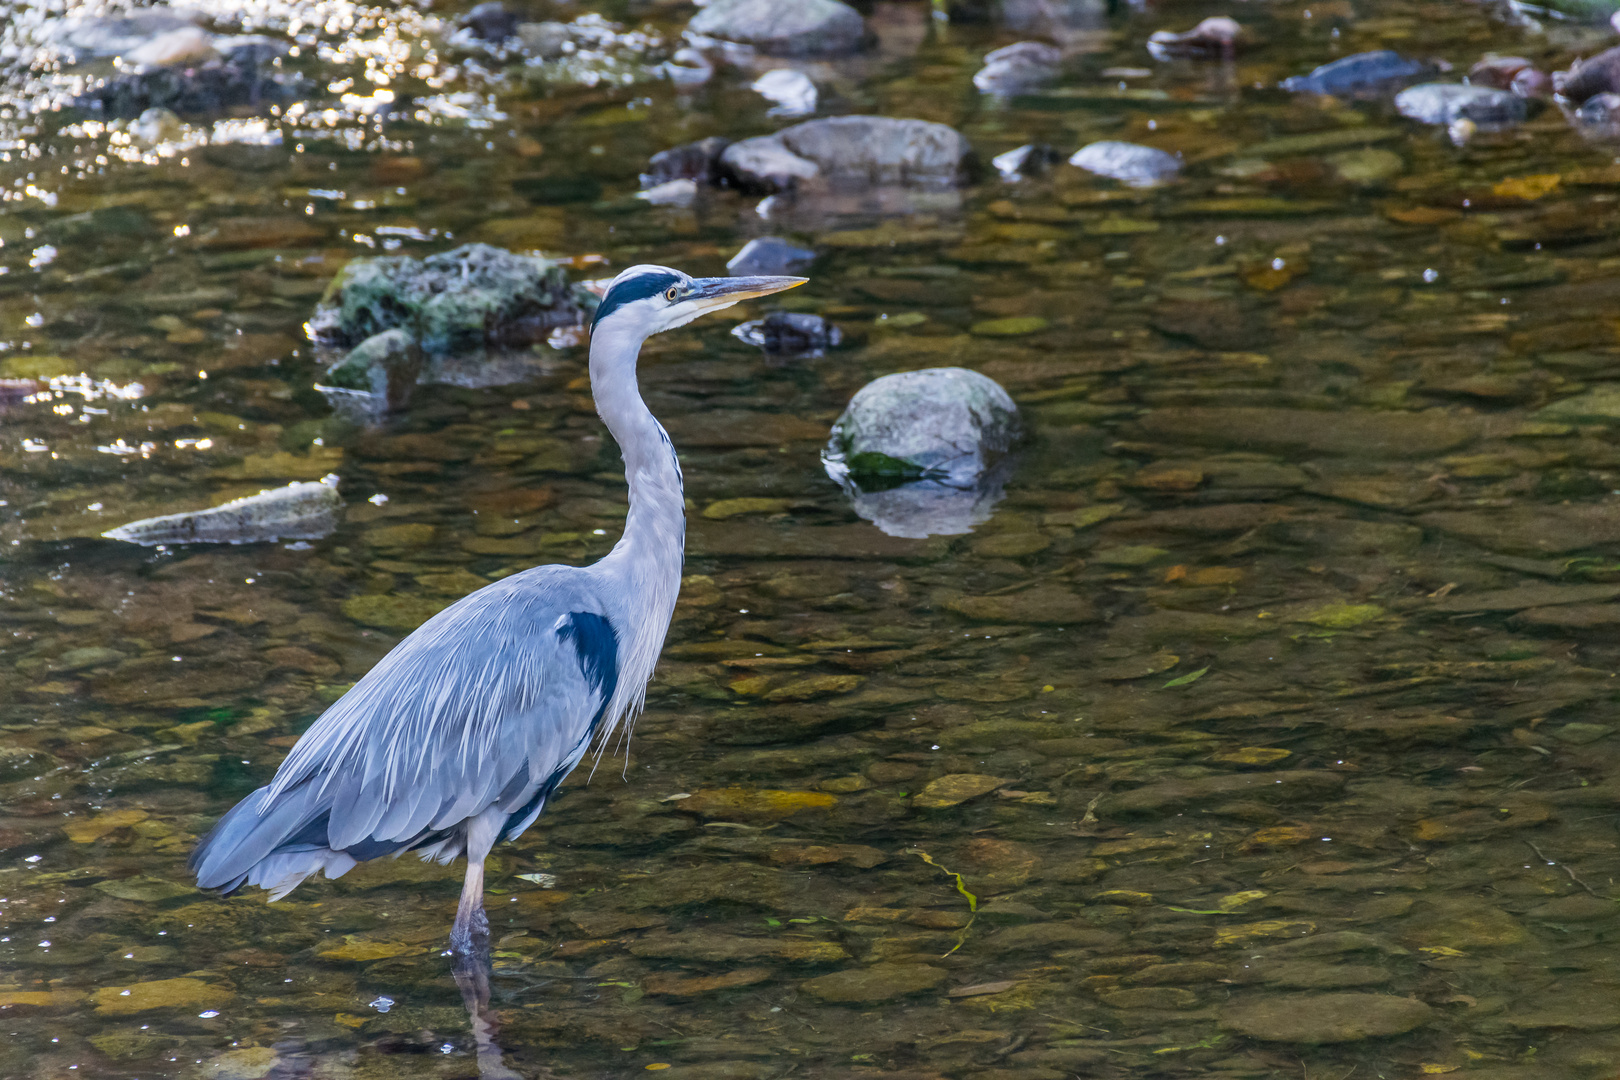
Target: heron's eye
x=671, y=293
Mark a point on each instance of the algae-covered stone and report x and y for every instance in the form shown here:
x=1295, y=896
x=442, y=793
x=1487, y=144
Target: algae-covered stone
x=384, y=368
x=878, y=983
x=1325, y=1018
x=459, y=300
x=955, y=788
x=393, y=612
x=160, y=994
x=306, y=511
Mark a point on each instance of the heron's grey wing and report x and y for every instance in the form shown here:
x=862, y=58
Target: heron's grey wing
x=486, y=704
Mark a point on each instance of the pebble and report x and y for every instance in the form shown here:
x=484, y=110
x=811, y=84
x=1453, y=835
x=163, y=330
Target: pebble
x=800, y=28
x=160, y=994
x=1018, y=68
x=791, y=92
x=1309, y=1019
x=1031, y=159
x=1448, y=103
x=1359, y=72
x=1217, y=37
x=1136, y=166
x=768, y=255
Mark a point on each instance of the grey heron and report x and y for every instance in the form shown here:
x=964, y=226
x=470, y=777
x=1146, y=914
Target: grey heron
x=457, y=737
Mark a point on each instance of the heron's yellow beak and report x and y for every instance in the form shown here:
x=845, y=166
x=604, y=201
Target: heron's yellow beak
x=712, y=294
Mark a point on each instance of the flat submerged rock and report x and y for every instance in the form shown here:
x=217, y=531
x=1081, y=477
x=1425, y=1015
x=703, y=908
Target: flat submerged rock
x=1309, y=1019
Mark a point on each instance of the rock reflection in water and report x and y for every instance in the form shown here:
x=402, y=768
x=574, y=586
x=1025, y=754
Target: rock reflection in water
x=924, y=508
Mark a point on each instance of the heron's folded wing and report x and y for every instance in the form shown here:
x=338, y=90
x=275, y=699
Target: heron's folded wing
x=482, y=702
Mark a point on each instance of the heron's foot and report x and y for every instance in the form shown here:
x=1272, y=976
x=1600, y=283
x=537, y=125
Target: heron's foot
x=469, y=937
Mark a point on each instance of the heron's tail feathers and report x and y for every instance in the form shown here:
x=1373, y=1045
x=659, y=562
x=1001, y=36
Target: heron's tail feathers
x=271, y=842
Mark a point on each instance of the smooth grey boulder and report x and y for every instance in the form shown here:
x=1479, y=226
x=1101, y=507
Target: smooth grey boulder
x=1138, y=166
x=851, y=150
x=768, y=255
x=1018, y=68
x=784, y=27
x=1445, y=103
x=306, y=511
x=925, y=453
x=1358, y=73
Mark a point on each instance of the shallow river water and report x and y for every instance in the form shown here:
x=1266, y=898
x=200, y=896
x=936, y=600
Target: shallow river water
x=1265, y=729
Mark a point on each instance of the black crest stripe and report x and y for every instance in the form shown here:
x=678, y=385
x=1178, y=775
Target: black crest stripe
x=637, y=288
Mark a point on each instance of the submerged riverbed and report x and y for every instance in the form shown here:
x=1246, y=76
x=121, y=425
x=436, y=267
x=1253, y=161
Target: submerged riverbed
x=1265, y=728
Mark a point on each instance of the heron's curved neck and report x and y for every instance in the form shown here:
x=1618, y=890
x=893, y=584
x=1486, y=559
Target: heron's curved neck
x=652, y=549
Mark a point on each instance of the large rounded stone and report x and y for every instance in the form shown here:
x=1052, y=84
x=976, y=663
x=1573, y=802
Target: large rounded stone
x=938, y=423
x=785, y=27
x=869, y=985
x=1325, y=1018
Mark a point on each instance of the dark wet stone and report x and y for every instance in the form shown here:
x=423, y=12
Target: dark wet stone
x=1587, y=78
x=1569, y=1009
x=769, y=255
x=1031, y=159
x=698, y=161
x=1047, y=935
x=1018, y=68
x=385, y=366
x=791, y=333
x=1217, y=37
x=547, y=40
x=1196, y=971
x=1498, y=72
x=1531, y=530
x=1325, y=1018
x=490, y=22
x=800, y=28
x=243, y=77
x=306, y=511
x=869, y=150
x=1218, y=324
x=1138, y=166
x=473, y=296
x=17, y=762
x=1148, y=997
x=1360, y=72
x=1166, y=795
x=878, y=983
x=1576, y=908
x=1601, y=110
x=1541, y=594
x=1313, y=974
x=1445, y=103
x=1294, y=431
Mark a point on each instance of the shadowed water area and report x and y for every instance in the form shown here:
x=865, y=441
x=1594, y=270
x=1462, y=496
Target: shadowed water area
x=1264, y=729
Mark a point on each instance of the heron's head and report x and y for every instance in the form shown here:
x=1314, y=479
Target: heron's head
x=647, y=300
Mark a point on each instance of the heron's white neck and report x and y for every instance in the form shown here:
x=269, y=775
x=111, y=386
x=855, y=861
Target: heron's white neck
x=646, y=562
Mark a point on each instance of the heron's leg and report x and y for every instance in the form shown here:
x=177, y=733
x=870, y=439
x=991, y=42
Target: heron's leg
x=471, y=930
